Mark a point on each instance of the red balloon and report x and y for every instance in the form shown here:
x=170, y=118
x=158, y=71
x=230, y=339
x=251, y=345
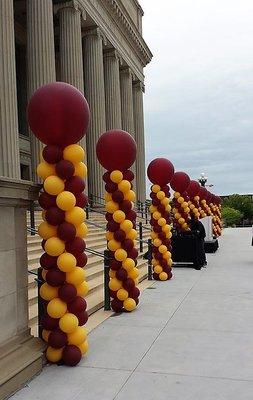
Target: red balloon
x=66, y=231
x=49, y=323
x=81, y=200
x=121, y=274
x=65, y=169
x=46, y=200
x=126, y=206
x=71, y=355
x=52, y=154
x=134, y=293
x=81, y=260
x=47, y=261
x=128, y=175
x=118, y=196
x=116, y=305
x=128, y=284
x=111, y=187
x=193, y=188
x=112, y=226
x=119, y=235
x=131, y=216
x=202, y=193
x=55, y=216
x=160, y=171
x=58, y=114
x=115, y=265
x=128, y=245
x=76, y=246
x=82, y=318
x=57, y=339
x=67, y=292
x=77, y=305
x=106, y=177
x=116, y=149
x=180, y=182
x=75, y=184
x=55, y=277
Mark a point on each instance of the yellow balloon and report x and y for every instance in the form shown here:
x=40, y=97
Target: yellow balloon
x=180, y=200
x=168, y=208
x=168, y=235
x=112, y=273
x=130, y=195
x=116, y=176
x=81, y=170
x=153, y=235
x=187, y=210
x=66, y=200
x=122, y=294
x=170, y=262
x=176, y=195
x=152, y=209
x=68, y=323
x=120, y=255
x=66, y=262
x=158, y=269
x=132, y=234
x=165, y=201
x=113, y=245
x=78, y=336
x=44, y=170
x=119, y=216
x=196, y=198
x=76, y=277
x=81, y=230
x=109, y=235
x=124, y=186
x=54, y=355
x=111, y=207
x=160, y=195
x=84, y=347
x=154, y=262
x=75, y=216
x=157, y=215
x=48, y=292
x=181, y=221
x=134, y=273
x=82, y=289
x=184, y=226
x=53, y=185
x=162, y=221
x=184, y=204
x=108, y=196
x=167, y=255
x=126, y=226
x=73, y=153
x=45, y=335
x=166, y=228
x=157, y=242
x=128, y=264
x=46, y=230
x=115, y=284
x=54, y=246
x=129, y=304
x=156, y=188
x=162, y=249
x=163, y=276
x=56, y=308
x=177, y=215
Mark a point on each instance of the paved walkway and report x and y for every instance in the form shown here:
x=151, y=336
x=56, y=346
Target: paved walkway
x=190, y=339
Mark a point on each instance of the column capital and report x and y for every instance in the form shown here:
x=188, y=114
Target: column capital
x=111, y=53
x=73, y=5
x=139, y=85
x=94, y=31
x=126, y=70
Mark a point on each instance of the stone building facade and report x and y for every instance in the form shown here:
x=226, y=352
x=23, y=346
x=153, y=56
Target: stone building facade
x=95, y=45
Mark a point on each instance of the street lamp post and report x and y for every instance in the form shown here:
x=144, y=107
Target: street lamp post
x=203, y=179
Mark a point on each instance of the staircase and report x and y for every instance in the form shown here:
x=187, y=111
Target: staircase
x=95, y=240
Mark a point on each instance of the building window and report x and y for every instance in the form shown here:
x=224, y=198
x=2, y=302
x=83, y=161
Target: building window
x=25, y=172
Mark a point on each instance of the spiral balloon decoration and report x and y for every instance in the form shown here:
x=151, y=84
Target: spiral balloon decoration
x=54, y=111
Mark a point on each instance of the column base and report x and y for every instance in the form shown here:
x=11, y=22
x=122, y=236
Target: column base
x=20, y=360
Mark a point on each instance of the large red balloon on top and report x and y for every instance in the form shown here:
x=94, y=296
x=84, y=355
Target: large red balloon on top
x=180, y=182
x=58, y=114
x=160, y=171
x=202, y=193
x=116, y=149
x=193, y=188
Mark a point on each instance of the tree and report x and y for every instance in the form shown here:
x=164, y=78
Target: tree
x=242, y=203
x=231, y=216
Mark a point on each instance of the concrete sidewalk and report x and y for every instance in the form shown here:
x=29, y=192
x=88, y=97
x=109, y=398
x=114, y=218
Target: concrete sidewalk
x=191, y=338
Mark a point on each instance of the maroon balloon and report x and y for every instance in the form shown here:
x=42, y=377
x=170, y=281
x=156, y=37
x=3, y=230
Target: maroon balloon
x=131, y=215
x=193, y=188
x=66, y=231
x=116, y=149
x=81, y=200
x=118, y=196
x=57, y=339
x=128, y=284
x=47, y=261
x=113, y=294
x=119, y=235
x=46, y=200
x=116, y=305
x=76, y=246
x=43, y=242
x=111, y=187
x=180, y=182
x=108, y=217
x=128, y=245
x=121, y=274
x=54, y=216
x=55, y=277
x=133, y=253
x=65, y=169
x=202, y=193
x=106, y=177
x=75, y=184
x=160, y=171
x=82, y=318
x=81, y=260
x=71, y=355
x=58, y=114
x=126, y=206
x=49, y=323
x=115, y=265
x=52, y=154
x=112, y=226
x=128, y=175
x=67, y=292
x=134, y=293
x=77, y=305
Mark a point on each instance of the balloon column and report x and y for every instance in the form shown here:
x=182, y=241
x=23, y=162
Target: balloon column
x=160, y=172
x=58, y=115
x=181, y=210
x=116, y=152
x=193, y=203
x=216, y=211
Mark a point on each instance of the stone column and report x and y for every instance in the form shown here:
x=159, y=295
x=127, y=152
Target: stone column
x=9, y=140
x=112, y=90
x=95, y=95
x=127, y=100
x=40, y=56
x=138, y=89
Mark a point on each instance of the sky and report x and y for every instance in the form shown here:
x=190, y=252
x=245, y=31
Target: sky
x=199, y=89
